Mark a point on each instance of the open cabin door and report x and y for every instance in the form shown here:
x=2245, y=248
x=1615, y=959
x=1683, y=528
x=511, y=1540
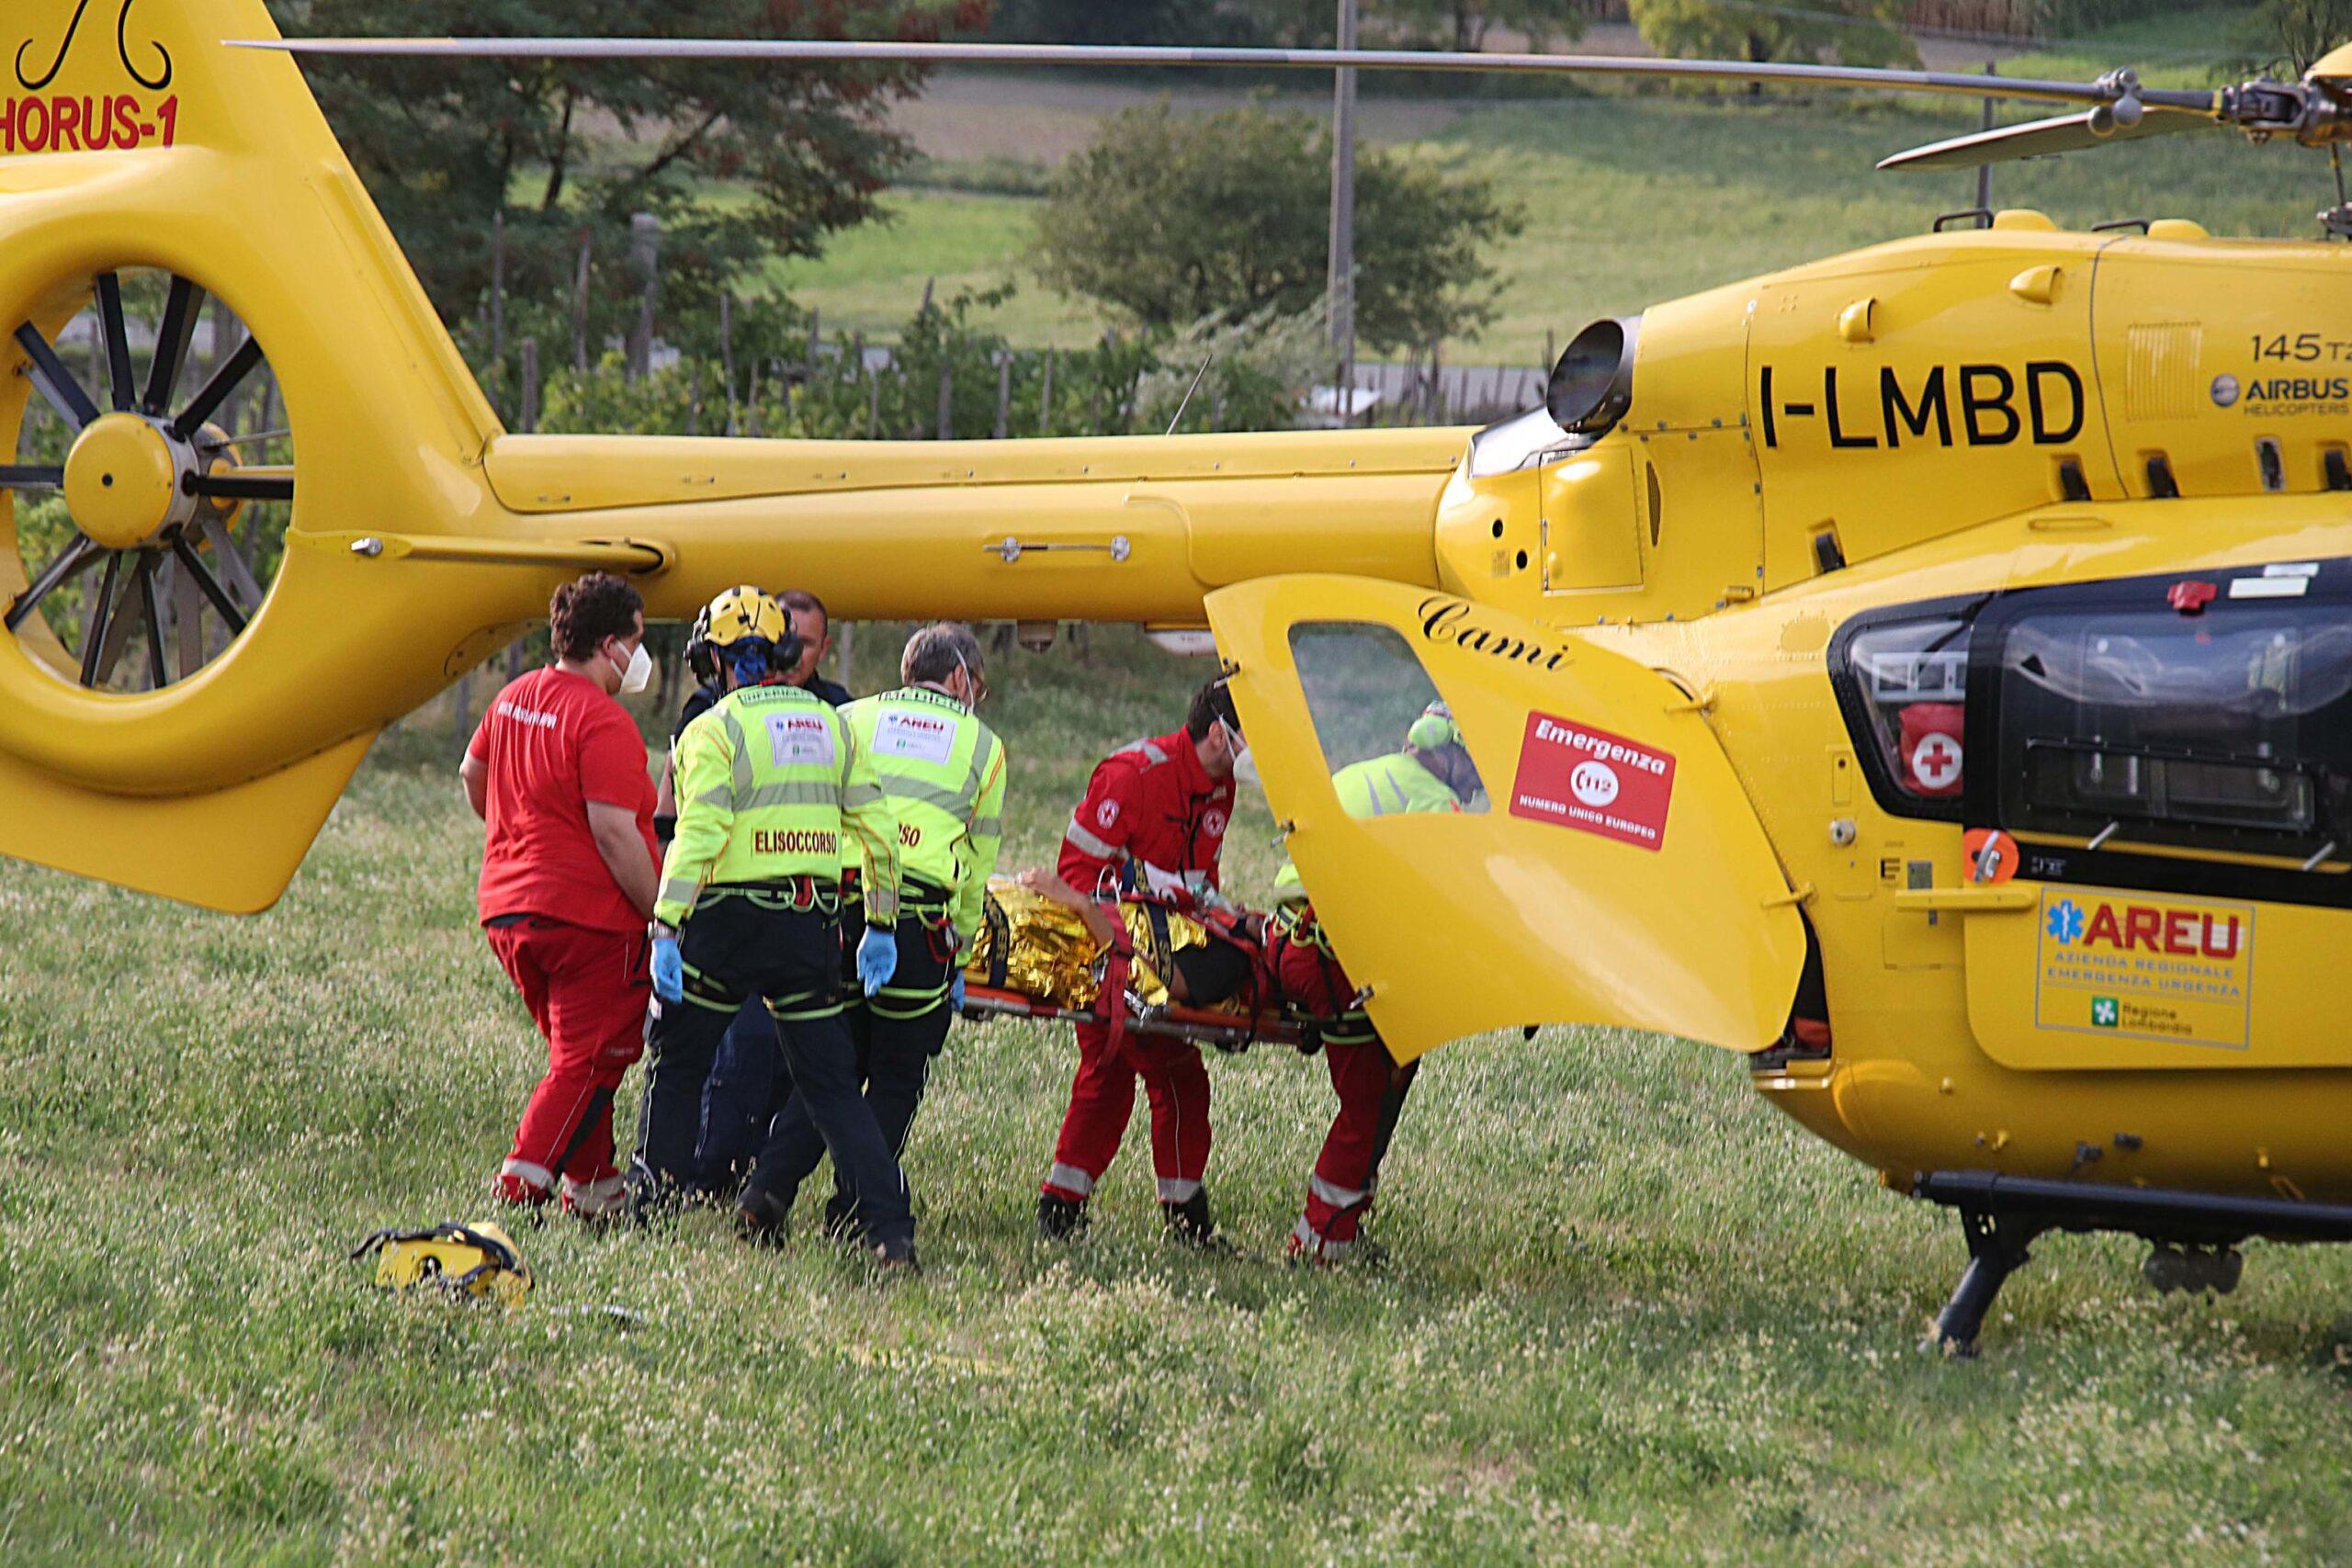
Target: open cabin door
x=1609, y=871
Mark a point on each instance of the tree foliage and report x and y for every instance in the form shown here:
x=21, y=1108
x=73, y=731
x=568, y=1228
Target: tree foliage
x=569, y=150
x=1851, y=32
x=1463, y=24
x=2302, y=30
x=1170, y=218
x=1451, y=24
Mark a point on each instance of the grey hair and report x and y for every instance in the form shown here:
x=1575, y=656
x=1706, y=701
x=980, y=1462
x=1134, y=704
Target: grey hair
x=938, y=651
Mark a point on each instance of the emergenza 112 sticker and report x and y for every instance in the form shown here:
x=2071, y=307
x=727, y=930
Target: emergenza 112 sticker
x=1575, y=776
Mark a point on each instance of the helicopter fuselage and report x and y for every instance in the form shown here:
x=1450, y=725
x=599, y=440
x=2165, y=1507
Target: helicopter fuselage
x=2033, y=436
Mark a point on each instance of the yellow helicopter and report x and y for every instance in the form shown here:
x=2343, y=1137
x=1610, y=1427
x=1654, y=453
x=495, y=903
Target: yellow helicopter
x=1927, y=671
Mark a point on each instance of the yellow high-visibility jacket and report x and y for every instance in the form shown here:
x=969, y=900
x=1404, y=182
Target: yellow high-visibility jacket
x=943, y=772
x=770, y=782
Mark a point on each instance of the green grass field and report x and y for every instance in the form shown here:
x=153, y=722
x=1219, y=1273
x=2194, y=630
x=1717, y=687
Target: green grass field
x=1631, y=1313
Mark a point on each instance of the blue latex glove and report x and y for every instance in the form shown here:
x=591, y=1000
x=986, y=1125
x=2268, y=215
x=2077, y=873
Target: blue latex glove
x=877, y=958
x=955, y=991
x=668, y=970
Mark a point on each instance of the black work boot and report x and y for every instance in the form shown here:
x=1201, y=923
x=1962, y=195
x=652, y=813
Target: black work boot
x=898, y=1257
x=761, y=1217
x=1059, y=1218
x=1189, y=1222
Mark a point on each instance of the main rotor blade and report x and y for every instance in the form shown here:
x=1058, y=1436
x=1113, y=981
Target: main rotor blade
x=2039, y=139
x=56, y=382
x=78, y=554
x=854, y=52
x=181, y=308
x=31, y=476
x=111, y=327
x=234, y=370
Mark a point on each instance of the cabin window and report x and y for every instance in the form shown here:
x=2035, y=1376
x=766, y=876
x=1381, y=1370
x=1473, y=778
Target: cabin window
x=1905, y=685
x=2229, y=729
x=1370, y=699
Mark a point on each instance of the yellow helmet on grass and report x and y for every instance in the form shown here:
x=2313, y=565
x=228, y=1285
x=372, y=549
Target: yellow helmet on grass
x=475, y=1262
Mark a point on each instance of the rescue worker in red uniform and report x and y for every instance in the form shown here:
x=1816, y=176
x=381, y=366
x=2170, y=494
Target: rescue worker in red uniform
x=557, y=770
x=1433, y=773
x=1152, y=823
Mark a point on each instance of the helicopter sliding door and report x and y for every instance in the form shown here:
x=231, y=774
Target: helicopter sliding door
x=2173, y=757
x=1606, y=867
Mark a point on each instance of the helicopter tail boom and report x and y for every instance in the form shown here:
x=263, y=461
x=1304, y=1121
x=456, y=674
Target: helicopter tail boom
x=1118, y=529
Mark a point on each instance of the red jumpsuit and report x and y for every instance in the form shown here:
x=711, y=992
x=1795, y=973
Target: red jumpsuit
x=1370, y=1085
x=1152, y=819
x=551, y=744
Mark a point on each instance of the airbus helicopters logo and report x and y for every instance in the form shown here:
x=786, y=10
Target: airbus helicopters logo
x=40, y=120
x=2274, y=395
x=1953, y=405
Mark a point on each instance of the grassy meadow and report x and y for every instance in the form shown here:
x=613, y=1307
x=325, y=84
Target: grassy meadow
x=1630, y=1314
x=1630, y=199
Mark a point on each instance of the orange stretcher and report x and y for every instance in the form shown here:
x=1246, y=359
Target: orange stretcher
x=1226, y=1030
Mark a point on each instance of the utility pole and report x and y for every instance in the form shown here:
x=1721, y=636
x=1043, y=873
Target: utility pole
x=1984, y=171
x=1340, y=282
x=645, y=255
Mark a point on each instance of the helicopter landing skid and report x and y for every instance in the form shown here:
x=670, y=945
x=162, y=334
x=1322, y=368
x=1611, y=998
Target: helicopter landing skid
x=2003, y=1214
x=1996, y=1248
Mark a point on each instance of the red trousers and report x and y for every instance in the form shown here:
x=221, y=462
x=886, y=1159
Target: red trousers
x=587, y=991
x=1102, y=1097
x=1371, y=1088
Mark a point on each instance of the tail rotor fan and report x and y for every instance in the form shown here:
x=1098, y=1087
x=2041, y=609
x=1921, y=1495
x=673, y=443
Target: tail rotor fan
x=143, y=518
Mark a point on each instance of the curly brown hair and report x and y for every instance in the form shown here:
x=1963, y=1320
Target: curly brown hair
x=583, y=614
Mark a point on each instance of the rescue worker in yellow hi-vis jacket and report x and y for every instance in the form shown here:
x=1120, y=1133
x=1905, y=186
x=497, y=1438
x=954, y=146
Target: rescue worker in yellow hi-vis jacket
x=769, y=781
x=943, y=771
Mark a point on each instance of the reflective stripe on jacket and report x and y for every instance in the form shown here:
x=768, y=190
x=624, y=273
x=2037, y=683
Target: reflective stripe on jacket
x=943, y=772
x=1152, y=819
x=771, y=783
x=1390, y=785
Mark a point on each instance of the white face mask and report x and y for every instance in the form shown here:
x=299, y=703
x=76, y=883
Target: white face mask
x=1245, y=767
x=1245, y=770
x=637, y=672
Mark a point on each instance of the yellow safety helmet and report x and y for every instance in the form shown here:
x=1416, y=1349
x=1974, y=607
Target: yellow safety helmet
x=746, y=631
x=465, y=1262
x=1434, y=728
x=741, y=613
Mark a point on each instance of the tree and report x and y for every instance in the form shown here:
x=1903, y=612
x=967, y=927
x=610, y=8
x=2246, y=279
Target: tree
x=1463, y=24
x=1851, y=32
x=2305, y=30
x=742, y=162
x=1176, y=22
x=1168, y=219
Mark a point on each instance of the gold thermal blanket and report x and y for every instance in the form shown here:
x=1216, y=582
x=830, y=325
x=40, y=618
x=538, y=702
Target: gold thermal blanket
x=1030, y=943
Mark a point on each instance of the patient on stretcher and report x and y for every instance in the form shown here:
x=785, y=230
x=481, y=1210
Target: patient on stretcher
x=1043, y=947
